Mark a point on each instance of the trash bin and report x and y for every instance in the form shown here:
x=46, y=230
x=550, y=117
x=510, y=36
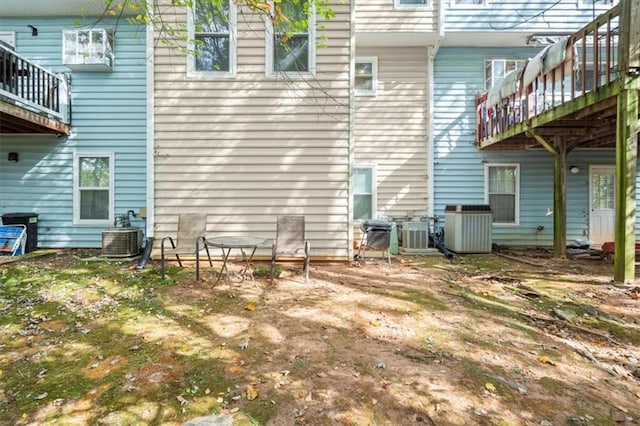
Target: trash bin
x=30, y=220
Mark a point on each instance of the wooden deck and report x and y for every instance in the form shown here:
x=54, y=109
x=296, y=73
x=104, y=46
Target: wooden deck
x=569, y=91
x=581, y=92
x=32, y=99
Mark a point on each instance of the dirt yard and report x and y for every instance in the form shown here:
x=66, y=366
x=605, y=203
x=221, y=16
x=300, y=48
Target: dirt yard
x=482, y=340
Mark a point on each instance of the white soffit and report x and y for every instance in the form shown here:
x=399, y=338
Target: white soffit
x=486, y=39
x=35, y=8
x=394, y=39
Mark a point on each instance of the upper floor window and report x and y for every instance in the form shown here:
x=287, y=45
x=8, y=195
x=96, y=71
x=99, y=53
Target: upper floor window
x=88, y=49
x=93, y=188
x=502, y=192
x=496, y=69
x=291, y=41
x=8, y=39
x=366, y=76
x=212, y=38
x=411, y=3
x=590, y=3
x=464, y=3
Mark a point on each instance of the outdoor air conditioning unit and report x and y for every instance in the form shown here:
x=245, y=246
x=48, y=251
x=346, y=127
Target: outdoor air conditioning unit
x=121, y=242
x=467, y=228
x=415, y=237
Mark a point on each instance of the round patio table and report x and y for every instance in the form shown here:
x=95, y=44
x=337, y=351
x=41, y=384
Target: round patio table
x=247, y=246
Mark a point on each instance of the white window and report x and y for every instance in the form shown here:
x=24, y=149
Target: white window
x=212, y=36
x=410, y=3
x=496, y=69
x=591, y=3
x=466, y=3
x=366, y=76
x=364, y=191
x=291, y=42
x=8, y=38
x=88, y=49
x=93, y=187
x=502, y=192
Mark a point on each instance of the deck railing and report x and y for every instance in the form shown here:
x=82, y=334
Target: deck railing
x=32, y=87
x=561, y=72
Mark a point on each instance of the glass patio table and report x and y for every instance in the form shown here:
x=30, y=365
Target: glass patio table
x=247, y=246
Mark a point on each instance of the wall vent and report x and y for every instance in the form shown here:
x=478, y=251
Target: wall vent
x=121, y=242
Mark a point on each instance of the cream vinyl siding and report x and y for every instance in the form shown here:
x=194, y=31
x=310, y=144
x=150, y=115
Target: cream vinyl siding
x=390, y=129
x=249, y=148
x=381, y=15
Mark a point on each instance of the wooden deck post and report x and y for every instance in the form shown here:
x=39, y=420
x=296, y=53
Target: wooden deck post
x=626, y=170
x=560, y=199
x=627, y=142
x=559, y=151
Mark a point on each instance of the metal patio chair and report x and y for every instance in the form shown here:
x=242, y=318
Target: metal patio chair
x=189, y=241
x=290, y=243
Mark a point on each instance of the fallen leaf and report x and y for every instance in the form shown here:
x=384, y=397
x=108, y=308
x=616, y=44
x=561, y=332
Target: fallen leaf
x=490, y=387
x=545, y=360
x=252, y=393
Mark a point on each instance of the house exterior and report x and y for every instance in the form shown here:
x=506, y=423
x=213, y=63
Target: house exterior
x=78, y=178
x=497, y=37
x=370, y=113
x=250, y=131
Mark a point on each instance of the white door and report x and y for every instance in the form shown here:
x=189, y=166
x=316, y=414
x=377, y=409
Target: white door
x=601, y=203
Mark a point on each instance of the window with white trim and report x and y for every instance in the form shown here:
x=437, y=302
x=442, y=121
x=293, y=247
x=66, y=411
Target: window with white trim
x=364, y=191
x=366, y=76
x=398, y=4
x=502, y=192
x=9, y=38
x=590, y=3
x=291, y=44
x=93, y=189
x=496, y=69
x=212, y=33
x=464, y=3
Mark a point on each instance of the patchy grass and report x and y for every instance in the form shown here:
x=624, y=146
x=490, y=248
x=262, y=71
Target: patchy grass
x=479, y=340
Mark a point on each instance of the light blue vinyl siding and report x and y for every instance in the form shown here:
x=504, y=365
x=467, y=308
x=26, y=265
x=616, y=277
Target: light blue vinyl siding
x=108, y=115
x=459, y=165
x=544, y=16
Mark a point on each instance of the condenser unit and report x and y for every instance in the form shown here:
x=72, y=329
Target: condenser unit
x=467, y=228
x=415, y=237
x=121, y=242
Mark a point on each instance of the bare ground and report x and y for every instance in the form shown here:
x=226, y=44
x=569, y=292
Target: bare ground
x=483, y=340
x=432, y=342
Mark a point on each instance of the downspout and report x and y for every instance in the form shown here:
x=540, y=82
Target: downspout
x=432, y=51
x=350, y=147
x=150, y=225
